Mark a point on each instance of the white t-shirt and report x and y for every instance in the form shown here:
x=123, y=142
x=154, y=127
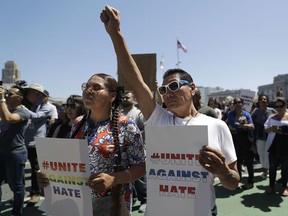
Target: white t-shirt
x=219, y=135
x=218, y=112
x=271, y=135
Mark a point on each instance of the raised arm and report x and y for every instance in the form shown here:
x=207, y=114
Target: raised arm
x=5, y=114
x=111, y=19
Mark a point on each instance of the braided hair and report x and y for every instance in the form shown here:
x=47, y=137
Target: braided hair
x=112, y=85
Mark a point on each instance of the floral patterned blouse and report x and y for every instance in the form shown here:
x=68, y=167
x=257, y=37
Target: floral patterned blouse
x=101, y=148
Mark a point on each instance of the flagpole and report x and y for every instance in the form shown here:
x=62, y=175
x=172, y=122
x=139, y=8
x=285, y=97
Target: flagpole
x=177, y=57
x=178, y=62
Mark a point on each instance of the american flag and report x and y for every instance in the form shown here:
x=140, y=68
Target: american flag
x=180, y=45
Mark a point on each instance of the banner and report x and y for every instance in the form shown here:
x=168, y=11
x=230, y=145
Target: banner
x=176, y=183
x=66, y=164
x=248, y=98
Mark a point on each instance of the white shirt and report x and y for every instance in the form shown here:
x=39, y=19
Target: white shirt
x=219, y=135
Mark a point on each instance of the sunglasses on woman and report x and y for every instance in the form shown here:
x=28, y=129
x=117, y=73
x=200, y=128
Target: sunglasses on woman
x=72, y=106
x=172, y=86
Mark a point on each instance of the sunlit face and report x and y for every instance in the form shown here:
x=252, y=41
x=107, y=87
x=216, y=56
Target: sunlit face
x=96, y=95
x=180, y=100
x=13, y=96
x=238, y=104
x=71, y=110
x=263, y=101
x=280, y=107
x=211, y=102
x=128, y=100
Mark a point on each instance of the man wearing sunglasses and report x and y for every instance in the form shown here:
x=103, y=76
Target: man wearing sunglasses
x=13, y=153
x=177, y=90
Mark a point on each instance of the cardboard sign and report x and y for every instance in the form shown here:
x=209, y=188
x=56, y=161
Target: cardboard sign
x=248, y=97
x=66, y=164
x=176, y=183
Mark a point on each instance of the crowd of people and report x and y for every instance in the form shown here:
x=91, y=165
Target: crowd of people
x=106, y=115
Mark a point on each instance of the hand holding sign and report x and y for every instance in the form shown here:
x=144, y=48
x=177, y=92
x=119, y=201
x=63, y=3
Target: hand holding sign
x=101, y=181
x=213, y=160
x=42, y=179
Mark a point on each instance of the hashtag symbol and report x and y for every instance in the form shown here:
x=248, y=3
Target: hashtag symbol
x=45, y=165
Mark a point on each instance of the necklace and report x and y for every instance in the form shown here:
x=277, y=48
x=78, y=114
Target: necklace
x=196, y=114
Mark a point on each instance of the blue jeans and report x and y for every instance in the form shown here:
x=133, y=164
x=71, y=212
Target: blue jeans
x=12, y=168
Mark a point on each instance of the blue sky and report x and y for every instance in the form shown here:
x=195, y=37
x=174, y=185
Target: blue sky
x=61, y=43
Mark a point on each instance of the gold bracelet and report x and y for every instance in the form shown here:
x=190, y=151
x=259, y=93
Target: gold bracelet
x=129, y=173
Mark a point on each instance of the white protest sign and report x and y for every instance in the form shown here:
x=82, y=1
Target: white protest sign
x=248, y=97
x=176, y=183
x=66, y=164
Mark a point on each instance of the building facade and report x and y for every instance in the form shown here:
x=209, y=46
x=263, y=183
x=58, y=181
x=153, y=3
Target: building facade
x=205, y=92
x=224, y=95
x=10, y=73
x=280, y=83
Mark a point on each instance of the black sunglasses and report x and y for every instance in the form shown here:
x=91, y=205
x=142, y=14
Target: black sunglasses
x=61, y=110
x=72, y=106
x=172, y=86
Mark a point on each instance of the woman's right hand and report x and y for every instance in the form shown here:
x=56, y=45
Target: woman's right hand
x=42, y=179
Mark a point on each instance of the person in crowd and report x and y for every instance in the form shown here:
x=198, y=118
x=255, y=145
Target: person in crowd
x=228, y=108
x=129, y=109
x=241, y=127
x=277, y=145
x=212, y=102
x=62, y=119
x=279, y=94
x=178, y=89
x=202, y=108
x=259, y=117
x=73, y=108
x=115, y=146
x=37, y=127
x=13, y=153
x=53, y=110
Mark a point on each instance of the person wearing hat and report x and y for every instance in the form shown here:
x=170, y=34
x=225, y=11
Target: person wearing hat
x=39, y=115
x=13, y=153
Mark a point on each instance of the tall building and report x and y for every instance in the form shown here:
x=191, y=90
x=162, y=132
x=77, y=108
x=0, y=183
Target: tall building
x=280, y=83
x=10, y=73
